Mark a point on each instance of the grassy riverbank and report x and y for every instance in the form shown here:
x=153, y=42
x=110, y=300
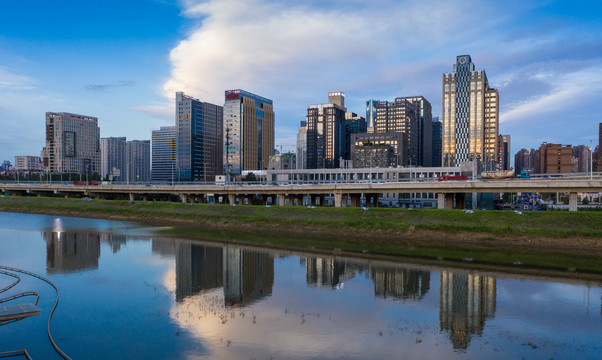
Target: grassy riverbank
x=556, y=240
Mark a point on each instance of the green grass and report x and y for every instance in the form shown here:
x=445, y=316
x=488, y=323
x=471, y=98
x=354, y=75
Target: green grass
x=384, y=231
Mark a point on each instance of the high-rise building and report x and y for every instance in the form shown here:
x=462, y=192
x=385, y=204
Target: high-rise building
x=302, y=146
x=424, y=115
x=470, y=115
x=503, y=147
x=163, y=154
x=555, y=159
x=400, y=116
x=248, y=132
x=72, y=144
x=522, y=160
x=28, y=163
x=113, y=158
x=354, y=124
x=581, y=158
x=599, y=146
x=534, y=160
x=595, y=159
x=138, y=160
x=437, y=138
x=370, y=115
x=326, y=132
x=199, y=139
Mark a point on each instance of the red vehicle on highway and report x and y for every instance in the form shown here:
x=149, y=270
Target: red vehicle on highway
x=453, y=178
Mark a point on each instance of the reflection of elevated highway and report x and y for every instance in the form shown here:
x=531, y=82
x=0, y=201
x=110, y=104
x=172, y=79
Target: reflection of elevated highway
x=343, y=192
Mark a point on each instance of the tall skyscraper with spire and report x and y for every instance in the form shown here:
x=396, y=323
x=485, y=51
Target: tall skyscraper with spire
x=470, y=115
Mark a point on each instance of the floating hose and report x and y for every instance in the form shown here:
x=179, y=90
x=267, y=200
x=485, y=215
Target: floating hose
x=56, y=303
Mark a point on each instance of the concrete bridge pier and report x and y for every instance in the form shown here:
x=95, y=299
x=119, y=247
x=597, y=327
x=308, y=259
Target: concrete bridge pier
x=441, y=200
x=184, y=198
x=572, y=201
x=300, y=200
x=231, y=199
x=449, y=200
x=131, y=196
x=145, y=197
x=312, y=200
x=338, y=199
x=280, y=200
x=322, y=200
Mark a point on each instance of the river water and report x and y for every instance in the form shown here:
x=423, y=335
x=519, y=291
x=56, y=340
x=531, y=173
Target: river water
x=125, y=294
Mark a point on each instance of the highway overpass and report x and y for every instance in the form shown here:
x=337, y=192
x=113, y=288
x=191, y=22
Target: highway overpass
x=343, y=193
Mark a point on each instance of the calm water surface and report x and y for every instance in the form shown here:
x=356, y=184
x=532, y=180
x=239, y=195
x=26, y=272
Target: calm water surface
x=126, y=295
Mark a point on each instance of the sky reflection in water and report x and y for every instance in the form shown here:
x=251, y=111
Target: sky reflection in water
x=126, y=295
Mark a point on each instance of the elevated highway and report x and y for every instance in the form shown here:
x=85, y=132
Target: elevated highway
x=343, y=192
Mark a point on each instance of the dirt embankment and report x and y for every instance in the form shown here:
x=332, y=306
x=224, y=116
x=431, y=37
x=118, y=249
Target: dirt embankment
x=460, y=240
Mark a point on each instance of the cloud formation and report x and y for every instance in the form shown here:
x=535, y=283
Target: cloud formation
x=292, y=49
x=295, y=52
x=13, y=81
x=109, y=87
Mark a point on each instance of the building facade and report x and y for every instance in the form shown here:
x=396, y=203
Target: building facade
x=113, y=158
x=199, y=139
x=370, y=115
x=470, y=115
x=28, y=164
x=424, y=116
x=163, y=154
x=503, y=148
x=248, y=132
x=555, y=159
x=354, y=124
x=436, y=138
x=581, y=158
x=599, y=162
x=72, y=144
x=522, y=160
x=400, y=116
x=361, y=143
x=326, y=133
x=302, y=146
x=283, y=161
x=138, y=156
x=372, y=155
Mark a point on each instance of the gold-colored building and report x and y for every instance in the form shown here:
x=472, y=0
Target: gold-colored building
x=248, y=132
x=470, y=115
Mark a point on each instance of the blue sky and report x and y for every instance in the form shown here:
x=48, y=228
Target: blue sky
x=122, y=61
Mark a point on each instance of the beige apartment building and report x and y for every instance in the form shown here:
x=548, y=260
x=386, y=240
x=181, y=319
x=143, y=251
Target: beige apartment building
x=72, y=144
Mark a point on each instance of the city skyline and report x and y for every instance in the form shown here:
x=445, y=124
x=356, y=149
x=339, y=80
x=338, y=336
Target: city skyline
x=544, y=58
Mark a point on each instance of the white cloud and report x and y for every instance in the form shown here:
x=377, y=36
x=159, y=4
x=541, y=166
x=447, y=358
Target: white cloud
x=286, y=50
x=160, y=111
x=568, y=90
x=12, y=81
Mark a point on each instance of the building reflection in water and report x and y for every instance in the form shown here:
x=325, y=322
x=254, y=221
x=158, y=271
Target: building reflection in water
x=114, y=241
x=245, y=275
x=400, y=283
x=467, y=300
x=165, y=248
x=327, y=272
x=71, y=251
